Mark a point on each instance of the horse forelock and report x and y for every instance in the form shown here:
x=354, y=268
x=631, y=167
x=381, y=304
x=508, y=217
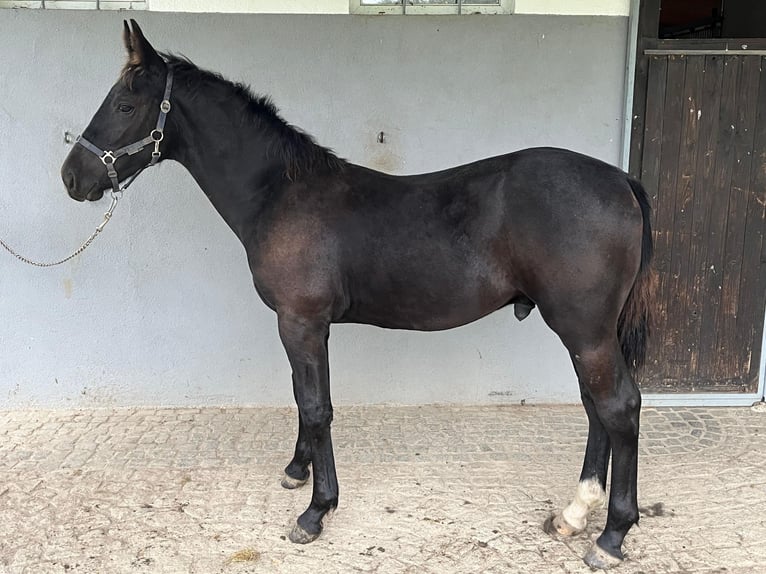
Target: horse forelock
x=130, y=71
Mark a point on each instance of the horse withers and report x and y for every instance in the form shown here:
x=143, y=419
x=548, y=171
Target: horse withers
x=329, y=242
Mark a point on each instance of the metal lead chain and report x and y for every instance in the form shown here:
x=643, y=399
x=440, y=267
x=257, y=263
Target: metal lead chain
x=107, y=216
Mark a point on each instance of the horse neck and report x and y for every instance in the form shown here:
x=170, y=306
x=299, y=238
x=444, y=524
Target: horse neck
x=227, y=158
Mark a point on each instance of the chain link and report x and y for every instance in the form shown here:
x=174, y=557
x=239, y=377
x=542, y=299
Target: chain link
x=107, y=216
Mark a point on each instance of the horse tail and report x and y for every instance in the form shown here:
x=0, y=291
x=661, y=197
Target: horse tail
x=635, y=323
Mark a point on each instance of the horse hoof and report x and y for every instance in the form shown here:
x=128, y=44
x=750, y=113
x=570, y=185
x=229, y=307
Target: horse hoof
x=299, y=536
x=599, y=559
x=556, y=524
x=291, y=483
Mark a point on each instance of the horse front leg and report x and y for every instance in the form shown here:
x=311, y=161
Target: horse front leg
x=297, y=472
x=305, y=341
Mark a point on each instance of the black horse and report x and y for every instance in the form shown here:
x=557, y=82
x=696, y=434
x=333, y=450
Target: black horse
x=328, y=242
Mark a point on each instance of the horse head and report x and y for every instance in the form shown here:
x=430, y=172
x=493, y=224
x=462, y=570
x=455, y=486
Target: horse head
x=125, y=133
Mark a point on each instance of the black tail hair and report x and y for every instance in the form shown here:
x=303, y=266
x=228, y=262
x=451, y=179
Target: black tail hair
x=635, y=322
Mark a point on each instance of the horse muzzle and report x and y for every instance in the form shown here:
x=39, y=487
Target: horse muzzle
x=71, y=184
x=95, y=195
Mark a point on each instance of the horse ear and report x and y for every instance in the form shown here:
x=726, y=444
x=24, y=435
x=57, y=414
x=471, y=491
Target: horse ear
x=126, y=36
x=140, y=51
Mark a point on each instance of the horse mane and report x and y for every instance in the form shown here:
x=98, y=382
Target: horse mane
x=295, y=148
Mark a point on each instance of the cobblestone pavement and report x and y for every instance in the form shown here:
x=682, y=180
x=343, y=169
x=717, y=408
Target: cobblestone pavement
x=436, y=489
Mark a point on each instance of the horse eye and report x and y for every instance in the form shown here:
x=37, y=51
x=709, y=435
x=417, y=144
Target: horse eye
x=125, y=108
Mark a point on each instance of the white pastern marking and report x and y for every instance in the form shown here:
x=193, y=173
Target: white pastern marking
x=589, y=496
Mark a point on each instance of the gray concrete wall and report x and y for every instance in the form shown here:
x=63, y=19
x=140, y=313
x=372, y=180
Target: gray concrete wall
x=161, y=309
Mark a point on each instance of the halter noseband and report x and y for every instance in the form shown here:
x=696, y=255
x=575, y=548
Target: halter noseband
x=156, y=136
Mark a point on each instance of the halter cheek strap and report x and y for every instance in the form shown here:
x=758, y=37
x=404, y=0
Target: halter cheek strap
x=156, y=136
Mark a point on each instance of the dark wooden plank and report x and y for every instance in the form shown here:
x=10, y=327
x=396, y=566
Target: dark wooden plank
x=678, y=307
x=709, y=349
x=673, y=111
x=687, y=384
x=729, y=356
x=650, y=168
x=751, y=288
x=696, y=300
x=649, y=19
x=664, y=206
x=655, y=108
x=640, y=87
x=732, y=359
x=648, y=29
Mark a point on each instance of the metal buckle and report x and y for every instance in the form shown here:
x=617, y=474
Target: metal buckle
x=107, y=155
x=156, y=153
x=155, y=138
x=165, y=106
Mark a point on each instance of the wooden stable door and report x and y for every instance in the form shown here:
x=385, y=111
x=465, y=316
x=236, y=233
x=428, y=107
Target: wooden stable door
x=704, y=166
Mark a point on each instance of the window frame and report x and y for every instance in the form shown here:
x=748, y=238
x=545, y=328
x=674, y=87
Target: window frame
x=404, y=9
x=76, y=4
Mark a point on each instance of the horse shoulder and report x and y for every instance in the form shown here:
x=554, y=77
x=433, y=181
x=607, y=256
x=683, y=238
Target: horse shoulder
x=295, y=260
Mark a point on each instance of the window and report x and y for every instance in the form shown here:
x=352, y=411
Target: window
x=78, y=4
x=287, y=6
x=432, y=6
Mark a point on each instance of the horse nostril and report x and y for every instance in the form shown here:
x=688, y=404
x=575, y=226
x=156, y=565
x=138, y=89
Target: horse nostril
x=69, y=180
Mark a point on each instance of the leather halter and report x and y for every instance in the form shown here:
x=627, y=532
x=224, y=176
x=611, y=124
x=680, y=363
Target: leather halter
x=108, y=158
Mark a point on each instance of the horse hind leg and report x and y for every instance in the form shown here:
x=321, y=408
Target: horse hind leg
x=591, y=489
x=618, y=405
x=612, y=401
